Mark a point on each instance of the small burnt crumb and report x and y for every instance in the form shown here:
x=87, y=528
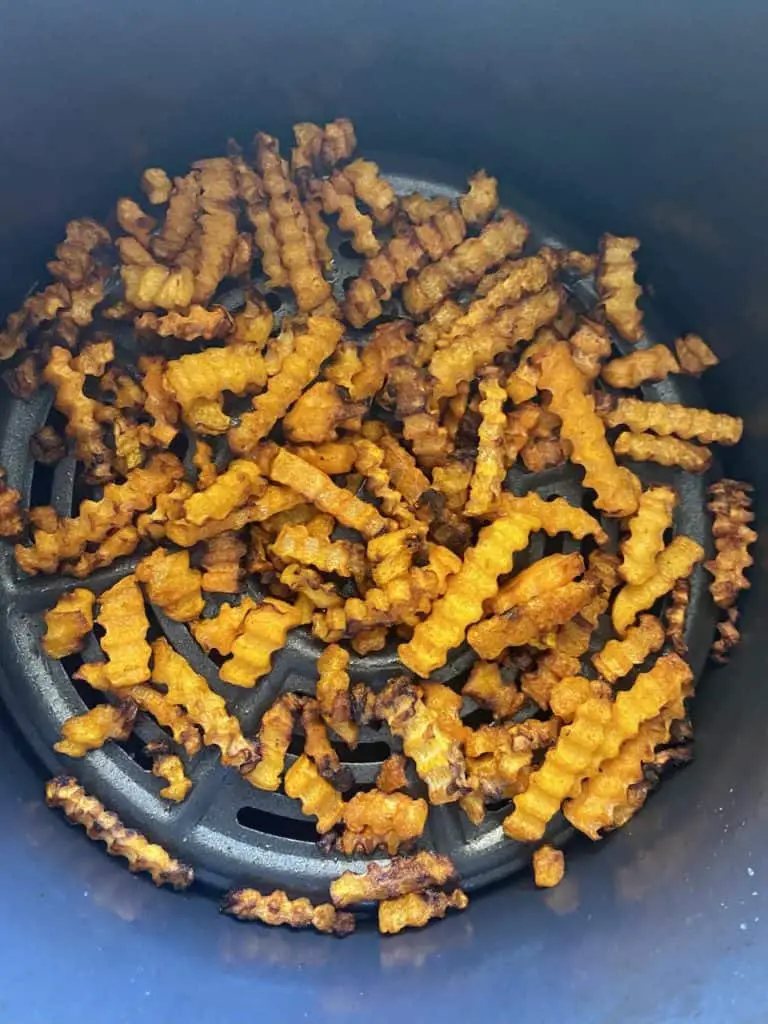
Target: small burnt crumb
x=362, y=702
x=23, y=380
x=47, y=447
x=467, y=431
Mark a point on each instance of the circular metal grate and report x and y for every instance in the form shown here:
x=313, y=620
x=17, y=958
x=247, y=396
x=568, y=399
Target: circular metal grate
x=230, y=832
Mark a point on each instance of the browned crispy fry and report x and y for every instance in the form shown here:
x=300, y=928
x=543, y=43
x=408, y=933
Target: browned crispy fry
x=297, y=544
x=297, y=248
x=619, y=657
x=481, y=199
x=62, y=540
x=273, y=501
x=666, y=451
x=297, y=370
x=93, y=728
x=388, y=344
x=540, y=578
x=197, y=322
x=410, y=248
x=253, y=324
x=376, y=820
x=187, y=689
x=99, y=823
x=415, y=910
x=728, y=637
x=338, y=197
x=317, y=487
x=168, y=508
x=467, y=590
x=321, y=148
x=343, y=364
x=664, y=419
x=159, y=403
x=392, y=777
x=68, y=623
x=528, y=622
x=134, y=221
x=694, y=355
x=222, y=564
x=275, y=733
x=617, y=286
x=148, y=284
x=317, y=746
x=489, y=465
x=74, y=263
x=445, y=704
x=641, y=366
x=172, y=584
x=156, y=185
x=675, y=562
x=370, y=460
x=371, y=189
x=333, y=693
x=180, y=217
x=466, y=264
x=466, y=354
x=487, y=688
x=318, y=797
x=675, y=616
x=398, y=877
x=275, y=909
x=316, y=416
x=590, y=344
x=654, y=516
x=170, y=768
x=731, y=504
x=438, y=758
x=548, y=867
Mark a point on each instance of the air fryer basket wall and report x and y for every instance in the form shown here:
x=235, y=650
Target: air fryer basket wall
x=645, y=121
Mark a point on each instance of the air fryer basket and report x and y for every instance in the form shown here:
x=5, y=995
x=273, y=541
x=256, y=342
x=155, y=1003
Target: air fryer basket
x=641, y=121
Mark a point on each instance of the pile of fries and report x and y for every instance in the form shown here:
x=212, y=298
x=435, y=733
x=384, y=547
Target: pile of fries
x=358, y=489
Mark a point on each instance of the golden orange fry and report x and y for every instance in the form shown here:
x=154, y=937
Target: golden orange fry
x=68, y=623
x=542, y=577
x=467, y=590
x=93, y=728
x=487, y=688
x=104, y=825
x=275, y=733
x=170, y=716
x=489, y=465
x=222, y=564
x=392, y=777
x=315, y=417
x=664, y=419
x=198, y=380
x=619, y=657
x=639, y=367
x=318, y=798
x=221, y=631
x=548, y=867
x=590, y=345
x=617, y=286
x=666, y=451
x=675, y=562
x=654, y=516
x=333, y=693
x=275, y=909
x=376, y=820
x=172, y=584
x=297, y=544
x=232, y=489
x=170, y=768
x=555, y=515
x=264, y=632
x=616, y=487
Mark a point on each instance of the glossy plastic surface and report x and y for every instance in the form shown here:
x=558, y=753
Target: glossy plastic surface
x=647, y=120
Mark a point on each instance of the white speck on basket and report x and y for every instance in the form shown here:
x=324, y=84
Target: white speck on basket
x=754, y=893
x=743, y=926
x=751, y=872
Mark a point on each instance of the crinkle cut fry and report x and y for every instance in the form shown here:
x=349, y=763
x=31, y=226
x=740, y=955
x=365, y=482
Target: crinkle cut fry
x=275, y=733
x=667, y=418
x=731, y=504
x=415, y=910
x=264, y=632
x=198, y=379
x=617, y=286
x=297, y=544
x=298, y=370
x=462, y=604
x=275, y=909
x=230, y=490
x=373, y=190
x=318, y=797
x=170, y=716
x=297, y=249
x=11, y=519
x=391, y=776
x=675, y=615
x=489, y=465
x=198, y=322
x=322, y=148
x=318, y=488
x=466, y=264
x=555, y=515
x=220, y=632
x=487, y=688
x=222, y=564
x=319, y=413
x=123, y=618
x=617, y=489
x=375, y=820
x=478, y=203
x=172, y=584
x=338, y=197
x=619, y=657
x=99, y=823
x=395, y=878
x=66, y=539
x=333, y=693
x=639, y=367
x=93, y=728
x=654, y=516
x=675, y=562
x=68, y=623
x=665, y=451
x=437, y=756
x=388, y=344
x=207, y=709
x=548, y=574
x=170, y=768
x=461, y=360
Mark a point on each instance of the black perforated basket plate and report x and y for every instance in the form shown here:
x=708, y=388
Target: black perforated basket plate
x=231, y=833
